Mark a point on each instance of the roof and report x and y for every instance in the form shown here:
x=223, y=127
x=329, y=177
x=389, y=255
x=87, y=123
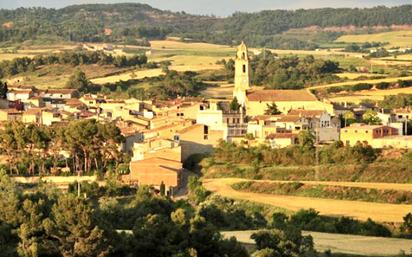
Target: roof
x=20, y=91
x=74, y=102
x=33, y=111
x=60, y=91
x=156, y=162
x=280, y=96
x=182, y=131
x=361, y=126
x=306, y=113
x=289, y=118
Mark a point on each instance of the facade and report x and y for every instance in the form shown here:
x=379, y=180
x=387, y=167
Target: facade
x=198, y=139
x=361, y=133
x=154, y=172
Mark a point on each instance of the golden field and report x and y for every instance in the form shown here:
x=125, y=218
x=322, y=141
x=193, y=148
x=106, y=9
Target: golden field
x=376, y=95
x=380, y=212
x=401, y=38
x=346, y=244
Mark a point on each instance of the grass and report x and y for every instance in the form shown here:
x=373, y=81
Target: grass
x=380, y=212
x=394, y=38
x=346, y=244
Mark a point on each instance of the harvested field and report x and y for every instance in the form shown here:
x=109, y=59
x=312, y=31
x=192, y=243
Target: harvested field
x=379, y=212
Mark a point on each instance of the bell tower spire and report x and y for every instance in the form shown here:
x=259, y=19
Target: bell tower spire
x=242, y=74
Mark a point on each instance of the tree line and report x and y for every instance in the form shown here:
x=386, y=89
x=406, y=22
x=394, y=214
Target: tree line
x=128, y=22
x=291, y=72
x=80, y=146
x=73, y=58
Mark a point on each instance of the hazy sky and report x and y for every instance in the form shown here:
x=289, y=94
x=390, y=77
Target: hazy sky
x=217, y=7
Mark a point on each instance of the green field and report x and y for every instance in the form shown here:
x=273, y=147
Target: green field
x=393, y=38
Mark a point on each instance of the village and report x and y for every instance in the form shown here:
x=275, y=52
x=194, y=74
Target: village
x=161, y=135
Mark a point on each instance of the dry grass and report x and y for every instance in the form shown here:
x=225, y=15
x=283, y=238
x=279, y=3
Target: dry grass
x=347, y=244
x=394, y=38
x=174, y=45
x=138, y=74
x=360, y=210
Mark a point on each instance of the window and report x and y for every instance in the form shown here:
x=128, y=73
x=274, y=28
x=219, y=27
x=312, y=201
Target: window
x=244, y=68
x=243, y=55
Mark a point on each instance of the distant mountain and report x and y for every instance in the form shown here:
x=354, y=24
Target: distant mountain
x=130, y=23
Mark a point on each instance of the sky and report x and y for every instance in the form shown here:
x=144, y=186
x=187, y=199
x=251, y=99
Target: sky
x=216, y=7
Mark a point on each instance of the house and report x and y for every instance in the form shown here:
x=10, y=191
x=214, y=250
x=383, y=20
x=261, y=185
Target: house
x=58, y=94
x=19, y=94
x=281, y=140
x=362, y=133
x=10, y=115
x=198, y=139
x=220, y=117
x=32, y=115
x=321, y=124
x=155, y=171
x=157, y=147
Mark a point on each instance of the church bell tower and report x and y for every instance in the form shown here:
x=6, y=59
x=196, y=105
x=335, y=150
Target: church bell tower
x=242, y=74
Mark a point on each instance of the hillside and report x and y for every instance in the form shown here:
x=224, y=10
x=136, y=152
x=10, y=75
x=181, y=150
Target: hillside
x=136, y=23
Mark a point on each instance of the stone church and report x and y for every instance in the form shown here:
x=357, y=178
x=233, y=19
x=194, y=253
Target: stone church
x=255, y=101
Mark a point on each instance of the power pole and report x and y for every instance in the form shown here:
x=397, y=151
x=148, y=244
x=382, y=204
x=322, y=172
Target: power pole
x=317, y=150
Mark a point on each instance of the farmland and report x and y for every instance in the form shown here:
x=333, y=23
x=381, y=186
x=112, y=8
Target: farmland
x=401, y=38
x=360, y=210
x=346, y=244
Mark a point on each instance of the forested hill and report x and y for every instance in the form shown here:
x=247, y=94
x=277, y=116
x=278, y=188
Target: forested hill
x=128, y=22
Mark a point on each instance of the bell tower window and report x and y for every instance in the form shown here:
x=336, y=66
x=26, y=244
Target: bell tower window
x=244, y=68
x=243, y=56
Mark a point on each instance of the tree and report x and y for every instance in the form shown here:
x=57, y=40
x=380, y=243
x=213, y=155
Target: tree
x=285, y=243
x=162, y=189
x=407, y=224
x=3, y=90
x=306, y=139
x=371, y=117
x=75, y=229
x=234, y=105
x=272, y=109
x=78, y=81
x=349, y=118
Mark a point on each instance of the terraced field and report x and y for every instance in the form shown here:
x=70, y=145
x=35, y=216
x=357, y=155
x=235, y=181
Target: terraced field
x=360, y=210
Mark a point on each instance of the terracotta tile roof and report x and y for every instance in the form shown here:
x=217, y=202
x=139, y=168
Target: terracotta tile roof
x=290, y=118
x=33, y=111
x=306, y=113
x=60, y=91
x=280, y=95
x=21, y=91
x=74, y=102
x=11, y=111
